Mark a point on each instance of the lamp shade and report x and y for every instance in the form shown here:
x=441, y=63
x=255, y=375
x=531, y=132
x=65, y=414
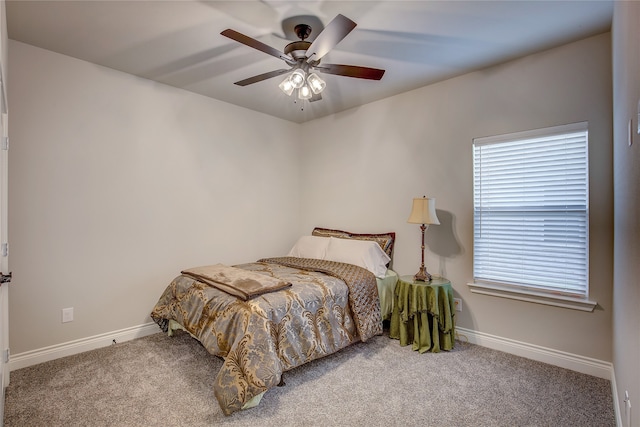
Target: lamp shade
x=423, y=211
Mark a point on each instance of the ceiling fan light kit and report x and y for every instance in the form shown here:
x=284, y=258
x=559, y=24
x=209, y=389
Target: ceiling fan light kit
x=305, y=83
x=304, y=59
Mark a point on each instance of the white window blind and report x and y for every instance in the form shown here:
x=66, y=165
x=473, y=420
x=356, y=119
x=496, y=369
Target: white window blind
x=531, y=210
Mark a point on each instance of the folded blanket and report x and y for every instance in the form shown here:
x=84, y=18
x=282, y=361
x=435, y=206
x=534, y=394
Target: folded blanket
x=236, y=281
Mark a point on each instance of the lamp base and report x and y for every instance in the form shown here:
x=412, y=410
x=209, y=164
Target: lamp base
x=422, y=275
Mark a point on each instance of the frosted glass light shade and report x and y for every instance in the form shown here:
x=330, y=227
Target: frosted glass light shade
x=297, y=78
x=423, y=211
x=304, y=92
x=316, y=83
x=287, y=86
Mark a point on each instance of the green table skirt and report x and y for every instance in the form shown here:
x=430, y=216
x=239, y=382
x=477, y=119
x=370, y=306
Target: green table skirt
x=423, y=315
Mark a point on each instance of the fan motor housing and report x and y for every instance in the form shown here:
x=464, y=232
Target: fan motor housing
x=297, y=50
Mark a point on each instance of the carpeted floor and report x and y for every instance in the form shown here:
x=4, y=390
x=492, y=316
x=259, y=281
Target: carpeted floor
x=162, y=381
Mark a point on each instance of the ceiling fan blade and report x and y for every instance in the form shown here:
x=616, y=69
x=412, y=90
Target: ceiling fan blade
x=261, y=77
x=351, y=71
x=256, y=44
x=332, y=34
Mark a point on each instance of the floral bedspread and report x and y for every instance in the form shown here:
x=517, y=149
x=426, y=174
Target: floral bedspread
x=265, y=336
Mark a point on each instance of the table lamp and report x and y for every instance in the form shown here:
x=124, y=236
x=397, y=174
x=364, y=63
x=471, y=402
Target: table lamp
x=423, y=212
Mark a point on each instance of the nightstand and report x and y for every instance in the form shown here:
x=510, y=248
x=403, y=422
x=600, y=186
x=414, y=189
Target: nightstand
x=423, y=314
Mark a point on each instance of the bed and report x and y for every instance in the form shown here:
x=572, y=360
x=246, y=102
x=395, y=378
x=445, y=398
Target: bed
x=332, y=289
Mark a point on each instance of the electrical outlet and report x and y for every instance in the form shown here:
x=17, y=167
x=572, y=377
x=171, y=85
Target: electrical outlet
x=67, y=315
x=458, y=303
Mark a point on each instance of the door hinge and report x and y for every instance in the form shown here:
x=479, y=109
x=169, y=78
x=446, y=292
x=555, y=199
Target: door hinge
x=5, y=143
x=7, y=355
x=5, y=278
x=5, y=249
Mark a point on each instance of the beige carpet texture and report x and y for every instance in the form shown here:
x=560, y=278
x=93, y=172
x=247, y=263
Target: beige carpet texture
x=167, y=381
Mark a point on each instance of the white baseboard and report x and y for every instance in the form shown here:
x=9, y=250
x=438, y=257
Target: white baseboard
x=574, y=362
x=33, y=357
x=616, y=400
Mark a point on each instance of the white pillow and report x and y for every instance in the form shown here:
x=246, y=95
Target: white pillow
x=310, y=247
x=366, y=254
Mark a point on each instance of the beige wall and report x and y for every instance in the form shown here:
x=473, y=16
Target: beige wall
x=100, y=159
x=117, y=183
x=361, y=169
x=626, y=95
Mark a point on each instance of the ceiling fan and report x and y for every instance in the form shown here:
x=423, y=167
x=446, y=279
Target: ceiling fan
x=303, y=58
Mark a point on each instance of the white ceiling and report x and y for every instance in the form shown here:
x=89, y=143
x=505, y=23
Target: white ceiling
x=416, y=42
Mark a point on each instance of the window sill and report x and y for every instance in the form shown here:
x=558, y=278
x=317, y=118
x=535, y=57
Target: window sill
x=532, y=296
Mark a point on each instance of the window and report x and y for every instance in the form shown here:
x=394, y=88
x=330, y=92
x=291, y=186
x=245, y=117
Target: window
x=531, y=212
